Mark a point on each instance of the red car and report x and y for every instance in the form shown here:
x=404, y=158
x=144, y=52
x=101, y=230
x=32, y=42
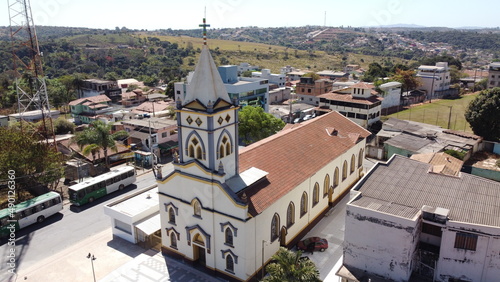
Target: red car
x=313, y=244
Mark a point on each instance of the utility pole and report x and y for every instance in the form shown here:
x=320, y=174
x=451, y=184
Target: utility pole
x=449, y=117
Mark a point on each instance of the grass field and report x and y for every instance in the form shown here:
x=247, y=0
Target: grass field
x=438, y=113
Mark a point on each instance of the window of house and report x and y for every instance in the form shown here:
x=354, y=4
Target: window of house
x=275, y=225
x=229, y=263
x=197, y=208
x=303, y=204
x=178, y=92
x=466, y=241
x=173, y=240
x=290, y=215
x=309, y=90
x=353, y=163
x=229, y=236
x=171, y=216
x=344, y=171
x=315, y=194
x=431, y=229
x=163, y=135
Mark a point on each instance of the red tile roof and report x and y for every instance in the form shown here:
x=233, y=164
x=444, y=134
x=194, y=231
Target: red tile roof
x=93, y=99
x=296, y=153
x=349, y=98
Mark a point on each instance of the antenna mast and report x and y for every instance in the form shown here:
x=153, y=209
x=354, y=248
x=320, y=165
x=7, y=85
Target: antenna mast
x=27, y=63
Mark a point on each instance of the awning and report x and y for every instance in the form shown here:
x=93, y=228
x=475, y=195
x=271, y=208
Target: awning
x=149, y=225
x=169, y=145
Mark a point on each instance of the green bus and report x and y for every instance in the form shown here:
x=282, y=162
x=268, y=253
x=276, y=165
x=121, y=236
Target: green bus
x=29, y=212
x=101, y=185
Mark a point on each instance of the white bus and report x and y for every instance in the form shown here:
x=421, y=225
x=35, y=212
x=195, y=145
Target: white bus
x=101, y=185
x=29, y=212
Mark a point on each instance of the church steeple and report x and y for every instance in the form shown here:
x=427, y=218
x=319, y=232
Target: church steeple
x=206, y=85
x=208, y=121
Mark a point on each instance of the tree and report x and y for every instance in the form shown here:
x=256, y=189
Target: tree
x=289, y=266
x=98, y=136
x=255, y=124
x=407, y=78
x=314, y=76
x=33, y=162
x=483, y=114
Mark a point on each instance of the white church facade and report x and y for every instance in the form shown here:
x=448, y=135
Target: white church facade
x=230, y=209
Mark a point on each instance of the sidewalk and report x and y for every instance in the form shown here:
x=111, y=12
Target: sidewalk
x=72, y=263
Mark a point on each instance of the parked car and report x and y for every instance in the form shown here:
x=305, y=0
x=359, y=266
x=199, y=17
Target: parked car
x=308, y=117
x=313, y=244
x=297, y=120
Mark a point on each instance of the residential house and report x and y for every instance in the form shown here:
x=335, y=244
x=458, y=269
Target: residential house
x=273, y=79
x=124, y=84
x=391, y=92
x=229, y=209
x=407, y=222
x=243, y=67
x=308, y=89
x=87, y=110
x=154, y=108
x=295, y=75
x=434, y=80
x=359, y=103
x=152, y=134
x=409, y=137
x=133, y=98
x=279, y=95
x=351, y=68
x=494, y=75
x=96, y=87
x=333, y=75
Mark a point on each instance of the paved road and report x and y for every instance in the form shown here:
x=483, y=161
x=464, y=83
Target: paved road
x=70, y=226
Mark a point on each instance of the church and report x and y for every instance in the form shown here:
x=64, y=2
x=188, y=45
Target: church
x=229, y=209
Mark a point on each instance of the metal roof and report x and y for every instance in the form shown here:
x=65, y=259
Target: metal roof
x=402, y=184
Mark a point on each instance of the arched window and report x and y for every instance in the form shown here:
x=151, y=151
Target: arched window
x=275, y=227
x=353, y=163
x=229, y=263
x=290, y=215
x=360, y=157
x=171, y=216
x=173, y=240
x=336, y=178
x=197, y=208
x=326, y=184
x=303, y=204
x=315, y=194
x=224, y=147
x=344, y=171
x=195, y=149
x=229, y=236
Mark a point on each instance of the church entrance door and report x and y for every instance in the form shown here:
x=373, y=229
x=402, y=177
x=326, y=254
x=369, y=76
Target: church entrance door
x=199, y=250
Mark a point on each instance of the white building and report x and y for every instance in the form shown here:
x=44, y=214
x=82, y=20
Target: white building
x=223, y=206
x=273, y=78
x=358, y=102
x=494, y=75
x=135, y=218
x=434, y=79
x=391, y=95
x=406, y=217
x=248, y=90
x=243, y=67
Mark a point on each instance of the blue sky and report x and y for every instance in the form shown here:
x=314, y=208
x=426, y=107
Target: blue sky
x=187, y=14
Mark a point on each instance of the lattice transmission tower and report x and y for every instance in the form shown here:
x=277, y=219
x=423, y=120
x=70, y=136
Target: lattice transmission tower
x=27, y=63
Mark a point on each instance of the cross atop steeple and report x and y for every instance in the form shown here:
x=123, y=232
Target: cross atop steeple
x=204, y=25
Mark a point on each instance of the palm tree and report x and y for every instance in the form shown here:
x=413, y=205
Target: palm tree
x=98, y=136
x=289, y=266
